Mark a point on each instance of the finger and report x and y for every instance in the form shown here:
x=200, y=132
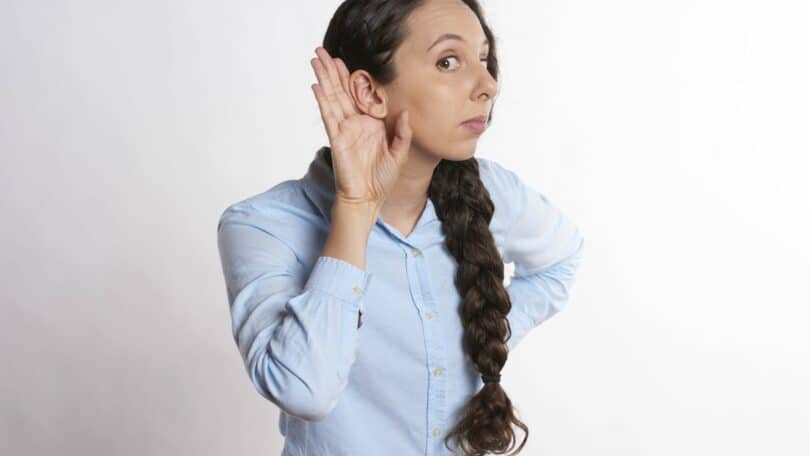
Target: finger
x=401, y=144
x=330, y=82
x=343, y=71
x=327, y=89
x=326, y=113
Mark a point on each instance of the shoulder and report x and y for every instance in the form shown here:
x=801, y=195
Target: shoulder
x=283, y=211
x=495, y=173
x=280, y=198
x=505, y=187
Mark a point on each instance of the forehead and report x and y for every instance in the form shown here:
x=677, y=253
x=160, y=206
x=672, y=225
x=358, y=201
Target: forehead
x=437, y=17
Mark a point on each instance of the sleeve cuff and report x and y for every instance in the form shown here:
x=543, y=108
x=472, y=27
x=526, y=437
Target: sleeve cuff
x=340, y=279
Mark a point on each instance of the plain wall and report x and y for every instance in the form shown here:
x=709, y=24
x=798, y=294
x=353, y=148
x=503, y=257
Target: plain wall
x=675, y=134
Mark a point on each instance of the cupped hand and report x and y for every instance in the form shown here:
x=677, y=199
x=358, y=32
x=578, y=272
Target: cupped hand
x=366, y=166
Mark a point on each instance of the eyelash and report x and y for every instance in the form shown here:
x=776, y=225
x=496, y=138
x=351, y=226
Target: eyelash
x=486, y=59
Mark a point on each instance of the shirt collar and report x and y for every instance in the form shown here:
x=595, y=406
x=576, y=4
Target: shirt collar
x=319, y=186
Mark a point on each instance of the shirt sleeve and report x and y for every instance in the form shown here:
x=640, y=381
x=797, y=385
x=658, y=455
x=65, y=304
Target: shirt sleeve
x=296, y=330
x=546, y=248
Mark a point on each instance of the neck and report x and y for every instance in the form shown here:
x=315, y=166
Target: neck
x=408, y=197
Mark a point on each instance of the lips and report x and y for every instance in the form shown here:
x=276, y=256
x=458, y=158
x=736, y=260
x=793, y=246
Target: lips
x=476, y=126
x=480, y=119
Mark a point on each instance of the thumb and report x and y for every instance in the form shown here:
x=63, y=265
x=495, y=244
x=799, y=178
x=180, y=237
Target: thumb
x=402, y=138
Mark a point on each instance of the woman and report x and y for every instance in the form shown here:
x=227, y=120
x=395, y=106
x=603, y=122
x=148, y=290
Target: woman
x=388, y=357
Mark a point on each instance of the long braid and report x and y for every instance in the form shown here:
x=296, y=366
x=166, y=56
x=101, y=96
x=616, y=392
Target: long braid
x=465, y=209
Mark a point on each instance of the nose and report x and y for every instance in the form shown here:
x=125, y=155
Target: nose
x=487, y=87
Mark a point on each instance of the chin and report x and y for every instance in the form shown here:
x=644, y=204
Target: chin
x=464, y=151
x=454, y=151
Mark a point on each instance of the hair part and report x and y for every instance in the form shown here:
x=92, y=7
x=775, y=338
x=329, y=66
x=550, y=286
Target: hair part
x=365, y=34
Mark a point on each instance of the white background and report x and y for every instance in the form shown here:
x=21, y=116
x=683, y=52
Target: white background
x=675, y=134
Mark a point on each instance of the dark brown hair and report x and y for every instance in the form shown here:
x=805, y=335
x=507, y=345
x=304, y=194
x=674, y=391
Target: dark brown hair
x=365, y=34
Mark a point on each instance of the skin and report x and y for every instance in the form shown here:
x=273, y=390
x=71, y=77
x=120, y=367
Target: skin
x=440, y=89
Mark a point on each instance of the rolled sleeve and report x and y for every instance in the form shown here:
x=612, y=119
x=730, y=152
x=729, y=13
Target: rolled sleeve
x=341, y=280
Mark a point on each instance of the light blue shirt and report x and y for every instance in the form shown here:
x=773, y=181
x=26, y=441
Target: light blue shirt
x=370, y=362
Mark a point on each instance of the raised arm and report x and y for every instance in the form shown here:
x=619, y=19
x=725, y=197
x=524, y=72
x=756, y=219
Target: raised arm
x=296, y=329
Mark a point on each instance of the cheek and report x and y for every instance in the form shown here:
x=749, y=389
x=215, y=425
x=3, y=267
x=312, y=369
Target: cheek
x=436, y=118
x=434, y=127
x=441, y=135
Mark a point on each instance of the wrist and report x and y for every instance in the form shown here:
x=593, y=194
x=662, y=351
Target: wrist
x=363, y=213
x=356, y=204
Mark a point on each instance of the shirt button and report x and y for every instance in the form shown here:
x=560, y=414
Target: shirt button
x=437, y=372
x=437, y=432
x=415, y=252
x=358, y=290
x=429, y=314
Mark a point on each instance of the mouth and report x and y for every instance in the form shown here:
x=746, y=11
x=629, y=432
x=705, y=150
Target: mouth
x=476, y=124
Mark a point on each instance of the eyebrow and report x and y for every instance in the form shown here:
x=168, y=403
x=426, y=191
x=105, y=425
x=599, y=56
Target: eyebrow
x=452, y=36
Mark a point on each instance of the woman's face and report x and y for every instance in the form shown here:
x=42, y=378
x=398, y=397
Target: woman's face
x=441, y=83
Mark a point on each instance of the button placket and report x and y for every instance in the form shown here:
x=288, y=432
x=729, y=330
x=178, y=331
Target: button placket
x=437, y=383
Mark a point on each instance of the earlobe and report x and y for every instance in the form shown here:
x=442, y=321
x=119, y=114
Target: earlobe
x=378, y=110
x=378, y=104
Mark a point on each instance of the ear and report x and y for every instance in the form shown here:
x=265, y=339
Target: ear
x=369, y=97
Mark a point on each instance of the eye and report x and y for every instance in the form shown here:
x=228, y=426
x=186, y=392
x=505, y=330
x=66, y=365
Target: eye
x=485, y=59
x=446, y=59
